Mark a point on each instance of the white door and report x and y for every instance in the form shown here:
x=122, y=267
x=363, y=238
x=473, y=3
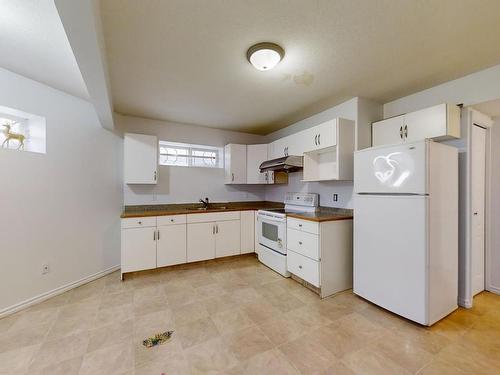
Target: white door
x=388, y=132
x=393, y=169
x=426, y=123
x=256, y=155
x=478, y=184
x=171, y=247
x=227, y=240
x=235, y=164
x=140, y=159
x=200, y=241
x=138, y=249
x=390, y=252
x=247, y=225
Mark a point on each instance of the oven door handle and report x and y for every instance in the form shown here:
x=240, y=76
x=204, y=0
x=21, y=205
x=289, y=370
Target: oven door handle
x=267, y=218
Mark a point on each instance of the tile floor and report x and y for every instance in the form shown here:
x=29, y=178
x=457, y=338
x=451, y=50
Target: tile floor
x=238, y=317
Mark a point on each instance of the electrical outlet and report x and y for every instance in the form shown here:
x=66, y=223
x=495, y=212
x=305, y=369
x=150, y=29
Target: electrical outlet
x=45, y=269
x=335, y=197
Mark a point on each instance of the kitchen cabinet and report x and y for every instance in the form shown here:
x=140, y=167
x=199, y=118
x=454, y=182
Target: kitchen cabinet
x=247, y=230
x=171, y=241
x=227, y=238
x=329, y=153
x=138, y=250
x=200, y=241
x=140, y=159
x=439, y=122
x=256, y=155
x=320, y=254
x=235, y=164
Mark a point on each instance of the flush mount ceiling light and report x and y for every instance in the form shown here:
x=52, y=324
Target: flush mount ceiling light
x=265, y=56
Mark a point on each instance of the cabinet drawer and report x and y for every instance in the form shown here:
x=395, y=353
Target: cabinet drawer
x=170, y=220
x=303, y=243
x=303, y=267
x=139, y=222
x=213, y=216
x=303, y=225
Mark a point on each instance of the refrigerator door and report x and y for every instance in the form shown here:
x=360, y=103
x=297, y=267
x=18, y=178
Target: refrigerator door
x=398, y=169
x=390, y=253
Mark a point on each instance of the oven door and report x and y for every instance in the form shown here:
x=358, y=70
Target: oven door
x=272, y=233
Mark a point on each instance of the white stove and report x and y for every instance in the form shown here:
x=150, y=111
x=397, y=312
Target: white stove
x=272, y=229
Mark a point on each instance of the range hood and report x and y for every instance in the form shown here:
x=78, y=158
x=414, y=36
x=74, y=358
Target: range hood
x=285, y=164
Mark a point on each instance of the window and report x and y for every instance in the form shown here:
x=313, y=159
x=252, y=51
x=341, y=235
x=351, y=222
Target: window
x=21, y=131
x=187, y=155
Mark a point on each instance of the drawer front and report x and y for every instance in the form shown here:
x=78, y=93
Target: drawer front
x=139, y=222
x=303, y=267
x=303, y=243
x=303, y=225
x=213, y=216
x=171, y=220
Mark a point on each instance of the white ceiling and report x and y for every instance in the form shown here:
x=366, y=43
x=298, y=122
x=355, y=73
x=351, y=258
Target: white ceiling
x=184, y=60
x=33, y=43
x=491, y=108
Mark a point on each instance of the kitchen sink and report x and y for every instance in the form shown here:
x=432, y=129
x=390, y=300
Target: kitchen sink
x=207, y=208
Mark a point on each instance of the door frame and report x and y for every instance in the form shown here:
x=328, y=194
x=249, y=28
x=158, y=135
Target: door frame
x=472, y=118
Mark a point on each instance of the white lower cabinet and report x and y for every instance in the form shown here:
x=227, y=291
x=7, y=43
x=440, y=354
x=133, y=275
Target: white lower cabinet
x=171, y=246
x=247, y=229
x=227, y=238
x=138, y=249
x=200, y=241
x=321, y=253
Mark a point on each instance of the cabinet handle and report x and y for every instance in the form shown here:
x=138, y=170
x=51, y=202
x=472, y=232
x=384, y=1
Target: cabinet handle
x=158, y=235
x=319, y=139
x=401, y=132
x=154, y=236
x=216, y=228
x=155, y=176
x=406, y=131
x=316, y=139
x=232, y=176
x=213, y=229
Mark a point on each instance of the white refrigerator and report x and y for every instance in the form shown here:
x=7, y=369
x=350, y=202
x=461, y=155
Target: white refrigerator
x=406, y=229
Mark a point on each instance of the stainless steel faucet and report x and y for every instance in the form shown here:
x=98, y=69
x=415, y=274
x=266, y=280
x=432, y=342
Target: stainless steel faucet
x=205, y=202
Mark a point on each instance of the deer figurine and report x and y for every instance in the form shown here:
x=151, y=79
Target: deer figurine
x=11, y=135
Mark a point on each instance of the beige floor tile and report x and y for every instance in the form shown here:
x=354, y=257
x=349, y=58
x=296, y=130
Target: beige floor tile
x=172, y=349
x=338, y=368
x=308, y=317
x=356, y=323
x=117, y=299
x=110, y=335
x=470, y=361
x=110, y=360
x=219, y=304
x=349, y=299
x=196, y=332
x=59, y=350
x=17, y=361
x=441, y=368
x=22, y=337
x=307, y=355
x=149, y=324
x=286, y=302
x=260, y=311
x=338, y=340
x=248, y=342
x=67, y=367
x=57, y=301
x=69, y=325
x=91, y=290
x=212, y=356
x=330, y=311
x=187, y=313
x=245, y=296
x=231, y=320
x=271, y=362
x=282, y=329
x=150, y=304
x=173, y=365
x=367, y=362
x=209, y=291
x=113, y=315
x=8, y=321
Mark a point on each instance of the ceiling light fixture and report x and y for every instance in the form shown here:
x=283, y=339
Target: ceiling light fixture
x=265, y=56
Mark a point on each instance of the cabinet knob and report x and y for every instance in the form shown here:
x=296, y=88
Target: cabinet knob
x=171, y=220
x=300, y=225
x=300, y=267
x=140, y=222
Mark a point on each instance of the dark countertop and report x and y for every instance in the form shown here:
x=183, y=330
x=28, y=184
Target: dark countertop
x=323, y=214
x=193, y=208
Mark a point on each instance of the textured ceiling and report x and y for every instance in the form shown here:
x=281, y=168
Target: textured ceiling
x=184, y=60
x=33, y=43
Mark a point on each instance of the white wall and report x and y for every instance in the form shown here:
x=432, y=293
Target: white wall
x=495, y=208
x=61, y=207
x=185, y=185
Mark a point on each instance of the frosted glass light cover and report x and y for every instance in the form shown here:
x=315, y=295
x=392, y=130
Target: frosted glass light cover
x=265, y=59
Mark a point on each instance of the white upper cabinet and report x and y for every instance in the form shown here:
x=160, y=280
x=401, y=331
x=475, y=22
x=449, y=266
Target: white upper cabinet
x=388, y=131
x=439, y=122
x=256, y=155
x=140, y=159
x=235, y=164
x=318, y=137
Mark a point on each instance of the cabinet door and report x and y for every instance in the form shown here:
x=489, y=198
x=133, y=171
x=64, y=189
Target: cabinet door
x=227, y=240
x=138, y=249
x=326, y=134
x=235, y=164
x=140, y=159
x=200, y=241
x=426, y=123
x=280, y=148
x=247, y=225
x=388, y=132
x=171, y=247
x=256, y=155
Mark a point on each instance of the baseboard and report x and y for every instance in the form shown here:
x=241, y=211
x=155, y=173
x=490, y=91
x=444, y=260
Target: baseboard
x=493, y=289
x=54, y=292
x=465, y=303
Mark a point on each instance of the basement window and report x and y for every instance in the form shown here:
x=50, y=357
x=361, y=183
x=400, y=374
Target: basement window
x=21, y=131
x=189, y=155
